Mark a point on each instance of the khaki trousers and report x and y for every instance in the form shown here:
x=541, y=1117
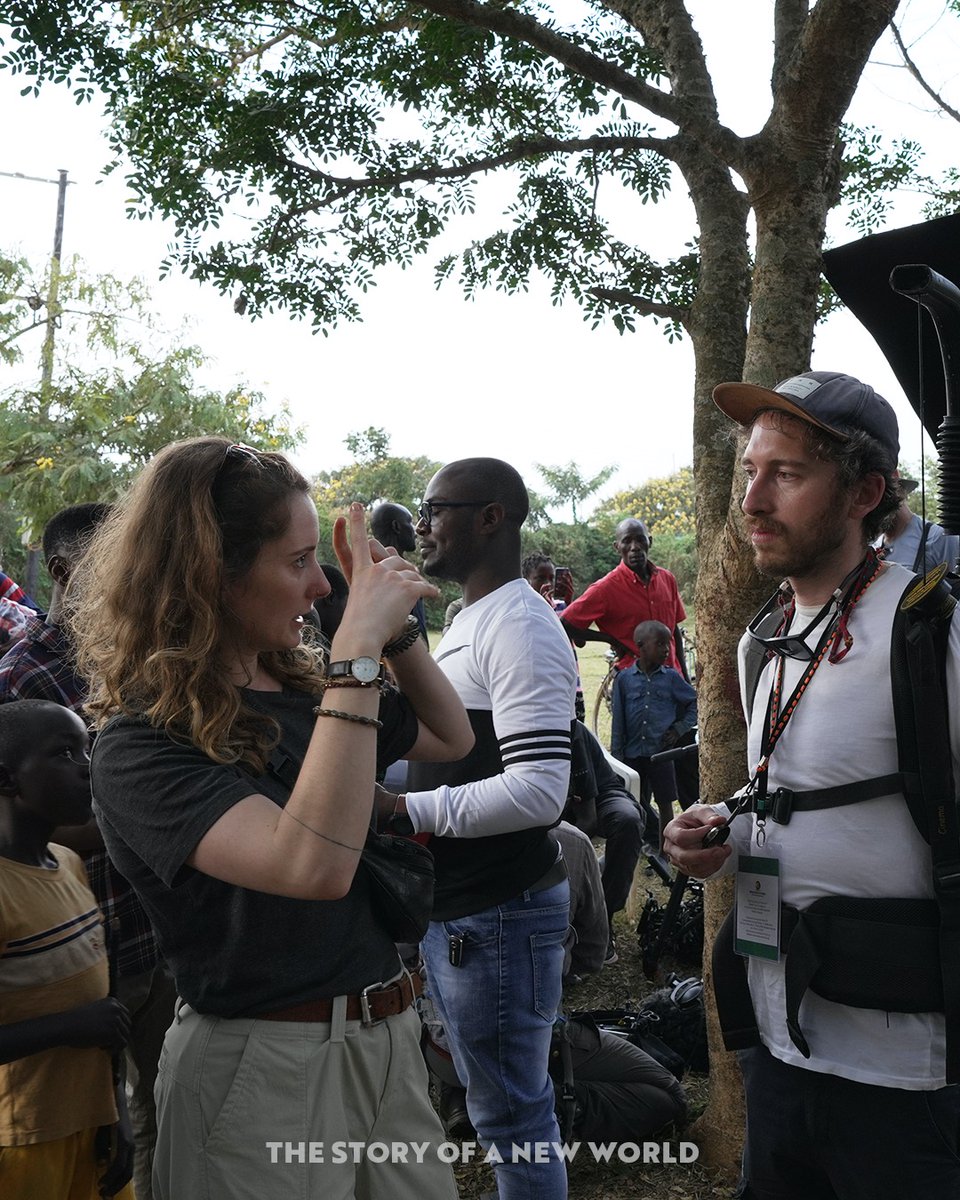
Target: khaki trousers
x=290, y=1110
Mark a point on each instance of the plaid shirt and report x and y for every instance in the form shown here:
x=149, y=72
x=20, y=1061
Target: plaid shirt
x=13, y=620
x=9, y=590
x=16, y=609
x=40, y=667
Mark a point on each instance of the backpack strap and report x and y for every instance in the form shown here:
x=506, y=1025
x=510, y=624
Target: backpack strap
x=738, y=1022
x=756, y=656
x=918, y=670
x=785, y=801
x=921, y=549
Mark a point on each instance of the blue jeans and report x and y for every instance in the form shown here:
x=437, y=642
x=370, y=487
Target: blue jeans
x=498, y=1009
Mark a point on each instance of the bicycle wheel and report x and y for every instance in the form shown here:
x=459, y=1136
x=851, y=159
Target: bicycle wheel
x=690, y=654
x=604, y=700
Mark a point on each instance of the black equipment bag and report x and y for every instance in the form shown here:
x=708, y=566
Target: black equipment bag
x=675, y=929
x=608, y=1089
x=670, y=1025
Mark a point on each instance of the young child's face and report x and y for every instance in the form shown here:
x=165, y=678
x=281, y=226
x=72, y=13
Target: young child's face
x=653, y=651
x=53, y=777
x=544, y=576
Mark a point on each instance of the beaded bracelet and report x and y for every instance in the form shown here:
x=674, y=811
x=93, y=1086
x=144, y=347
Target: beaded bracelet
x=345, y=716
x=403, y=641
x=348, y=681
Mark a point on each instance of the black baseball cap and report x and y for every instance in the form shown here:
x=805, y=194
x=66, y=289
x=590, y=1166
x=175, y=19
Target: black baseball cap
x=837, y=404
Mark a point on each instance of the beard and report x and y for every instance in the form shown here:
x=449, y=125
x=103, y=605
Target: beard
x=803, y=551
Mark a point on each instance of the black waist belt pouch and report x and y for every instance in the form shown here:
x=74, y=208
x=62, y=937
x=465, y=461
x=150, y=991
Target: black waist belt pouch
x=866, y=953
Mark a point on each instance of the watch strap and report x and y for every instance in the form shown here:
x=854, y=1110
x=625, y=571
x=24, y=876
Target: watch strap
x=340, y=674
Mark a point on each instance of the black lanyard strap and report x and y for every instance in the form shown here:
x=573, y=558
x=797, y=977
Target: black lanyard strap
x=835, y=641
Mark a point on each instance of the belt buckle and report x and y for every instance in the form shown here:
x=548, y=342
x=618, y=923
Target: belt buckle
x=366, y=1015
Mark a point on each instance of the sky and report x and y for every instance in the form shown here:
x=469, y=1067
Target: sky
x=508, y=376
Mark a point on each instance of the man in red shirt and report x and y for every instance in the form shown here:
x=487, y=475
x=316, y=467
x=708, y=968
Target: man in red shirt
x=634, y=591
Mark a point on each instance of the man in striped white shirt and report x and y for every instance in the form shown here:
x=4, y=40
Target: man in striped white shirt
x=494, y=949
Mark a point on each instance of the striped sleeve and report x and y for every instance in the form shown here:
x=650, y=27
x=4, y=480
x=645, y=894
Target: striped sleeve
x=526, y=674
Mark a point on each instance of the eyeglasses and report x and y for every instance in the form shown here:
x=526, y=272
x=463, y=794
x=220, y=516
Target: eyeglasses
x=241, y=450
x=790, y=645
x=429, y=507
x=236, y=452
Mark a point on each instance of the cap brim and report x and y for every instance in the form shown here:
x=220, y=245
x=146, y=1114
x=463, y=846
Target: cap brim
x=742, y=401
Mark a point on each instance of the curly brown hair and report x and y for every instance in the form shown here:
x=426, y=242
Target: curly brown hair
x=857, y=455
x=146, y=605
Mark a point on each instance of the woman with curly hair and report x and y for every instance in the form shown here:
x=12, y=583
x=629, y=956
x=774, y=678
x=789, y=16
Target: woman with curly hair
x=233, y=777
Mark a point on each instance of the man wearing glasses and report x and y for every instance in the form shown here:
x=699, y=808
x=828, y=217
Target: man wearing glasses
x=495, y=947
x=837, y=934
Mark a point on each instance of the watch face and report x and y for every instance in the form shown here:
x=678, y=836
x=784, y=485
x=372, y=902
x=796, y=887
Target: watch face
x=365, y=669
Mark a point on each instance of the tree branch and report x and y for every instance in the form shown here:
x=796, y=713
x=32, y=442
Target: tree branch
x=526, y=148
x=20, y=333
x=510, y=23
x=519, y=150
x=817, y=82
x=323, y=43
x=789, y=18
x=241, y=56
x=649, y=308
x=915, y=72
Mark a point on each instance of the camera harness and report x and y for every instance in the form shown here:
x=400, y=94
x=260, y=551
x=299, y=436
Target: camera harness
x=896, y=955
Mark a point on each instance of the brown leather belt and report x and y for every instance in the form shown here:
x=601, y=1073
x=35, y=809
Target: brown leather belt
x=373, y=1004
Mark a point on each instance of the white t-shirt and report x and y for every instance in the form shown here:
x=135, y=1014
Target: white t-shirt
x=843, y=730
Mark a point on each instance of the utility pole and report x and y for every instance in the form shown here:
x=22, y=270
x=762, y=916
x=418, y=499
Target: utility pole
x=32, y=569
x=53, y=292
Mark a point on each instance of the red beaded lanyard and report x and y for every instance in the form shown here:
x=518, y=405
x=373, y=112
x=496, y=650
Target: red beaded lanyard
x=836, y=641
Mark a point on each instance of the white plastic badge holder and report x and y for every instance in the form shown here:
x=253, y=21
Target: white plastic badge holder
x=757, y=931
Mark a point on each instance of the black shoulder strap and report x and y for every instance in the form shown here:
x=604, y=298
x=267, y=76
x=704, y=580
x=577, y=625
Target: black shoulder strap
x=918, y=675
x=918, y=656
x=921, y=549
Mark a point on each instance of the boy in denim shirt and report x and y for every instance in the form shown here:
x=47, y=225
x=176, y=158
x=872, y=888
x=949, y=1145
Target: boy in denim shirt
x=653, y=707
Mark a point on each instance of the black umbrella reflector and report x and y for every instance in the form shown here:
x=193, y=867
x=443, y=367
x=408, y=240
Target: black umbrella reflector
x=941, y=299
x=882, y=279
x=859, y=273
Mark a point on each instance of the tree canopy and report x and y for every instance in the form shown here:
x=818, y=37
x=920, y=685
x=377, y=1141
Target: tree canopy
x=99, y=419
x=355, y=133
x=568, y=486
x=667, y=505
x=374, y=474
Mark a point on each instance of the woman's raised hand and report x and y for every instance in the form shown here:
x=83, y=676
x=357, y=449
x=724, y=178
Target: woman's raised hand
x=383, y=586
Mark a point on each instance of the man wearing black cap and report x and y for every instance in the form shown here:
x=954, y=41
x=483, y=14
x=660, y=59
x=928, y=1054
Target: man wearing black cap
x=846, y=1096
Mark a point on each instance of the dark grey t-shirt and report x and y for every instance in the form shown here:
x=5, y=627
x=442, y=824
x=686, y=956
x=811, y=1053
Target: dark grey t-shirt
x=233, y=951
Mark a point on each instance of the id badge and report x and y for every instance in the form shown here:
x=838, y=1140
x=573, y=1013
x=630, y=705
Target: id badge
x=757, y=930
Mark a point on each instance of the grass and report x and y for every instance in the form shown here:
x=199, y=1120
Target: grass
x=594, y=665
